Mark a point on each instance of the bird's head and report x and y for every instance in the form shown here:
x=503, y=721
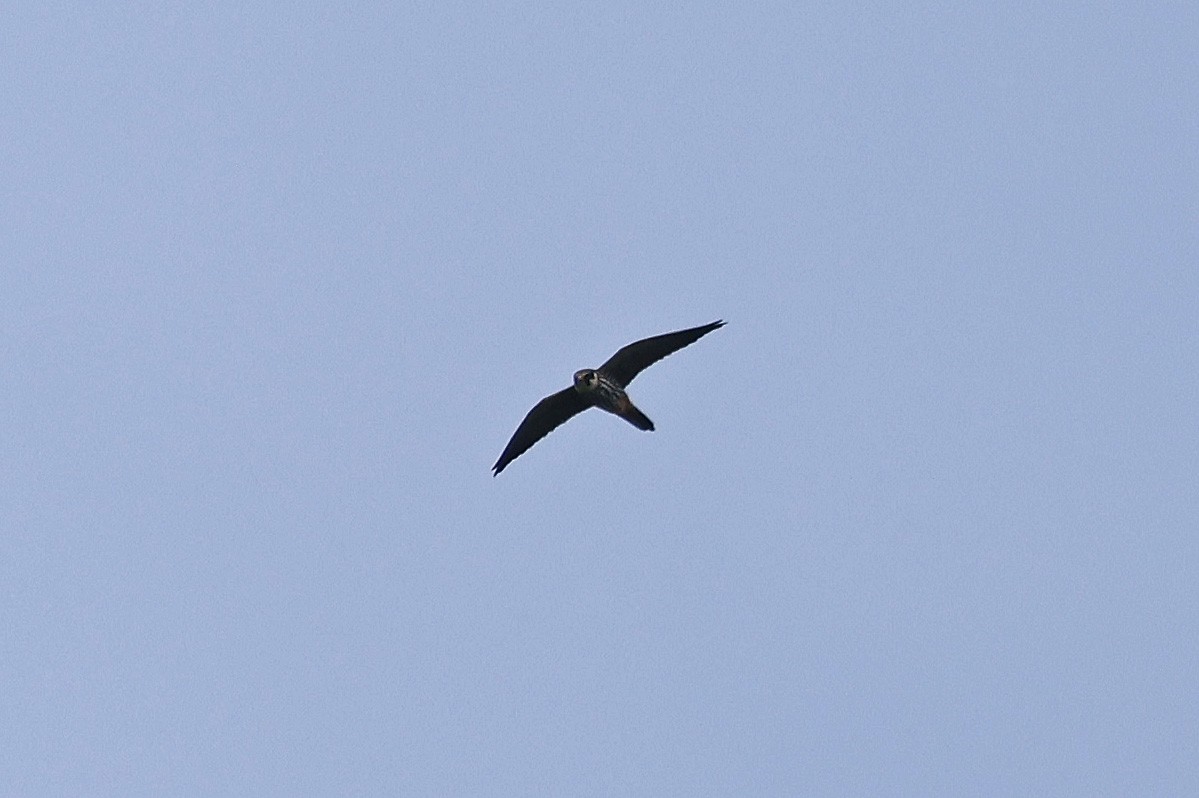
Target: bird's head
x=585, y=380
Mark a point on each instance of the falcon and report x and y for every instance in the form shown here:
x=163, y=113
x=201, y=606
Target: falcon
x=603, y=388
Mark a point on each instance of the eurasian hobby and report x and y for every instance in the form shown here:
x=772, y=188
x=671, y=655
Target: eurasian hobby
x=603, y=388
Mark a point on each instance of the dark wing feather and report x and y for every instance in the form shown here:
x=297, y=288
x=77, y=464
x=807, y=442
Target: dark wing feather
x=550, y=412
x=632, y=359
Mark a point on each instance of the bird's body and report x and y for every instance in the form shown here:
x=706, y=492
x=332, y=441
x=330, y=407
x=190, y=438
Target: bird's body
x=601, y=391
x=603, y=388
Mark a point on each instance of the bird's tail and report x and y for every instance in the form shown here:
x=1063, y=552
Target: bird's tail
x=638, y=419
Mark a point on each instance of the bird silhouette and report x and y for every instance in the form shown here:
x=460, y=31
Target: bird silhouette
x=603, y=387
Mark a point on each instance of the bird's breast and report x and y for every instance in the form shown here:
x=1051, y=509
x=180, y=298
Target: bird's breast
x=608, y=395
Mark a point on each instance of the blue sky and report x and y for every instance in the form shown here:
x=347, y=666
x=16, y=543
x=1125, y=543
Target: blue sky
x=280, y=281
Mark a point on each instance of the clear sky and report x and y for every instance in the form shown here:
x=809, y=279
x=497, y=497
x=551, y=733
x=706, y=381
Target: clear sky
x=278, y=282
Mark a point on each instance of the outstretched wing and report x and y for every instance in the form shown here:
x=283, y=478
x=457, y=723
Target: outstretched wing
x=632, y=359
x=550, y=412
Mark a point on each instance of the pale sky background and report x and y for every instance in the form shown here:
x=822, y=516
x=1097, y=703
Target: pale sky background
x=279, y=281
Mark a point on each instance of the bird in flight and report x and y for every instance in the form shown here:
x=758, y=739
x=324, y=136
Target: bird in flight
x=603, y=388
